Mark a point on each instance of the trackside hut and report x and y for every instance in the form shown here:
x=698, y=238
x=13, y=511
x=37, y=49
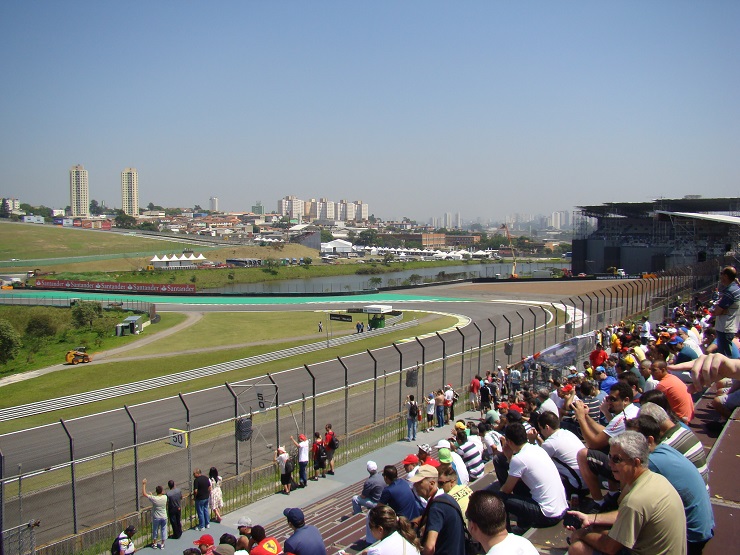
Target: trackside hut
x=376, y=314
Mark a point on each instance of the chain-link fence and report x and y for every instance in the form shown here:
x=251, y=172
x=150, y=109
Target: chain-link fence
x=91, y=493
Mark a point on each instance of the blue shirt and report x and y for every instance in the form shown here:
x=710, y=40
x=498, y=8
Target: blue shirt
x=447, y=521
x=399, y=497
x=689, y=484
x=306, y=540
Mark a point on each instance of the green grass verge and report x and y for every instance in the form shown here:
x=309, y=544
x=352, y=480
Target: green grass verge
x=85, y=378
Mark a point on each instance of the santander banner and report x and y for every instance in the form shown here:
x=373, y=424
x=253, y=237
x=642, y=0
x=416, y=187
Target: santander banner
x=162, y=288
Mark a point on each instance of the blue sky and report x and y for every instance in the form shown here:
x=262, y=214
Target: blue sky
x=417, y=108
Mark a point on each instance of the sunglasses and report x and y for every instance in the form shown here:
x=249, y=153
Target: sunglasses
x=616, y=459
x=613, y=399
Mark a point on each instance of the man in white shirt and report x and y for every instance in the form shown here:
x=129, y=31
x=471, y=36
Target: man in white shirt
x=531, y=466
x=486, y=516
x=563, y=447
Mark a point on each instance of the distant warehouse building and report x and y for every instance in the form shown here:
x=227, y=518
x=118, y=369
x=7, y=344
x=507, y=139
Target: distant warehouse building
x=654, y=236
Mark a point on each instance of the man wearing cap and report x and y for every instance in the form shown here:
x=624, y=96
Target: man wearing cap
x=449, y=403
x=410, y=465
x=442, y=519
x=457, y=462
x=205, y=543
x=262, y=544
x=126, y=541
x=425, y=455
x=244, y=526
x=306, y=539
x=371, y=490
x=681, y=352
x=302, y=445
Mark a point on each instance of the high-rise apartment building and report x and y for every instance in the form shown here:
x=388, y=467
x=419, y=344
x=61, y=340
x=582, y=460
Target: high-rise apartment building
x=130, y=192
x=292, y=207
x=79, y=193
x=213, y=204
x=258, y=208
x=345, y=211
x=362, y=211
x=325, y=209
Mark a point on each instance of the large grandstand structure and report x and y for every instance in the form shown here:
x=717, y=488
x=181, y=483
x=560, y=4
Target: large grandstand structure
x=654, y=236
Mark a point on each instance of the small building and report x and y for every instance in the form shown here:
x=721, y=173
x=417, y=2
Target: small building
x=337, y=246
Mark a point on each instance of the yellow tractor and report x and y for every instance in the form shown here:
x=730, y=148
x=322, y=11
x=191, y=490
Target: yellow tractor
x=77, y=355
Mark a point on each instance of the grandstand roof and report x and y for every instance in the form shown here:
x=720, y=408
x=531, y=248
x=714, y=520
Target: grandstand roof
x=718, y=218
x=644, y=209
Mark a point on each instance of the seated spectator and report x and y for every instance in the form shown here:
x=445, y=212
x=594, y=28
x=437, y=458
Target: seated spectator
x=645, y=372
x=681, y=352
x=449, y=483
x=425, y=455
x=681, y=438
x=530, y=486
x=675, y=390
x=592, y=461
x=262, y=544
x=471, y=455
x=650, y=519
x=486, y=516
x=205, y=543
x=492, y=443
x=306, y=539
x=410, y=465
x=668, y=462
x=371, y=490
x=455, y=460
x=394, y=534
x=546, y=402
x=442, y=521
x=398, y=496
x=563, y=447
x=242, y=546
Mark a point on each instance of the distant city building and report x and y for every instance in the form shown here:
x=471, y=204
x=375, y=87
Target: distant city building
x=130, y=191
x=79, y=193
x=292, y=207
x=258, y=208
x=346, y=211
x=325, y=209
x=213, y=204
x=362, y=211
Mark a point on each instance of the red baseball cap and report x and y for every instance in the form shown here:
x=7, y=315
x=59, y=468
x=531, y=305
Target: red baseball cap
x=205, y=539
x=411, y=459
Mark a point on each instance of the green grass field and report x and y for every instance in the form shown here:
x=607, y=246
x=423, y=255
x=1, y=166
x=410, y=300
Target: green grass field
x=80, y=378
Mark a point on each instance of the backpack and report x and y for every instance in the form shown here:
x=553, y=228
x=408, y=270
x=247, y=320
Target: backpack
x=413, y=410
x=321, y=452
x=115, y=549
x=334, y=443
x=289, y=466
x=455, y=396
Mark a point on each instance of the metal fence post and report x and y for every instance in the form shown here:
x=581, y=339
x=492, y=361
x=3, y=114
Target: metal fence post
x=375, y=385
x=557, y=324
x=346, y=397
x=521, y=339
x=444, y=359
x=583, y=314
x=544, y=310
x=480, y=348
x=400, y=377
x=136, y=457
x=493, y=344
x=72, y=472
x=508, y=356
x=423, y=366
x=277, y=411
x=2, y=500
x=462, y=357
x=190, y=453
x=534, y=331
x=236, y=416
x=113, y=477
x=313, y=395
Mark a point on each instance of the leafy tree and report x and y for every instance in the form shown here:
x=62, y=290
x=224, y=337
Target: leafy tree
x=95, y=208
x=84, y=313
x=10, y=342
x=326, y=236
x=41, y=325
x=148, y=226
x=125, y=221
x=415, y=279
x=351, y=236
x=197, y=208
x=387, y=258
x=375, y=282
x=368, y=237
x=307, y=261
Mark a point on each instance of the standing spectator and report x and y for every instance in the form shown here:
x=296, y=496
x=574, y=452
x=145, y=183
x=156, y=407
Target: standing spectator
x=430, y=413
x=515, y=377
x=306, y=539
x=412, y=417
x=319, y=456
x=395, y=534
x=330, y=443
x=174, y=509
x=202, y=495
x=125, y=541
x=442, y=520
x=216, y=499
x=371, y=490
x=598, y=356
x=449, y=403
x=529, y=464
x=486, y=516
x=262, y=544
x=474, y=389
x=501, y=378
x=302, y=445
x=726, y=310
x=281, y=458
x=675, y=390
x=439, y=407
x=650, y=518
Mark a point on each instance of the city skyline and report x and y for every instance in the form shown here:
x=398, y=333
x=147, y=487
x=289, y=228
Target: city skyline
x=420, y=108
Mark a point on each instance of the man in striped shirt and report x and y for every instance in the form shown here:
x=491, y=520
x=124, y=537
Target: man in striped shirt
x=471, y=455
x=680, y=438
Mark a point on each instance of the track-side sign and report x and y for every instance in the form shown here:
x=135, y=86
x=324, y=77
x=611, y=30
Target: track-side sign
x=341, y=317
x=178, y=438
